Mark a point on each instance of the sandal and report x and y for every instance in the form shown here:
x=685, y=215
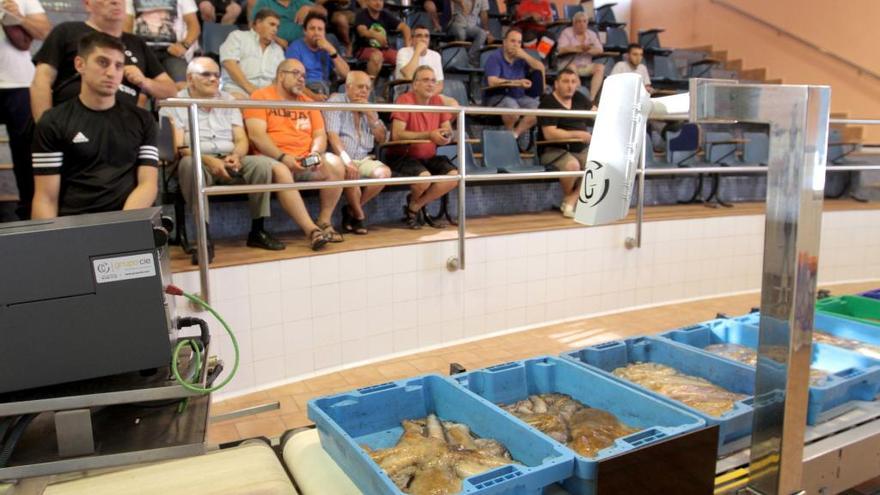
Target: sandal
x=317, y=239
x=436, y=223
x=330, y=233
x=352, y=224
x=412, y=219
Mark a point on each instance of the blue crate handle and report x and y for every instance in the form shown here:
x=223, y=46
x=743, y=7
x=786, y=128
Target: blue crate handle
x=644, y=437
x=608, y=345
x=496, y=478
x=849, y=373
x=376, y=388
x=503, y=366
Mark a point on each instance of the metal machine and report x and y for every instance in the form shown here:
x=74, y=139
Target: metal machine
x=82, y=297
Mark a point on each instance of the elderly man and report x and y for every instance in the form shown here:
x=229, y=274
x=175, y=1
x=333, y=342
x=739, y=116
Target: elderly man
x=317, y=55
x=224, y=145
x=577, y=47
x=632, y=62
x=565, y=156
x=297, y=139
x=421, y=159
x=250, y=58
x=352, y=136
x=95, y=153
x=506, y=78
x=56, y=79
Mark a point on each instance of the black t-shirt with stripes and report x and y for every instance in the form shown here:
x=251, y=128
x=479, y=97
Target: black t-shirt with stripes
x=97, y=153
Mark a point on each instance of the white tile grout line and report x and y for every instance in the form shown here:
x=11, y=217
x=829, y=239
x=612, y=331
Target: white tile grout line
x=499, y=333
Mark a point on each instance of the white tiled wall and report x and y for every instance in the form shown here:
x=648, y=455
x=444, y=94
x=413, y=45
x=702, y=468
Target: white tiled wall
x=306, y=316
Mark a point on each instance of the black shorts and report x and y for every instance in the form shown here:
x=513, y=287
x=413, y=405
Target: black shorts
x=409, y=167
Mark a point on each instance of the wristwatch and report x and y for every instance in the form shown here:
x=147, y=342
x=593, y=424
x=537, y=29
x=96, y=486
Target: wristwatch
x=186, y=44
x=334, y=55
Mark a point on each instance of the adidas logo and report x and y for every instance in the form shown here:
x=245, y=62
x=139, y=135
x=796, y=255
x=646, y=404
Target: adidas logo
x=80, y=138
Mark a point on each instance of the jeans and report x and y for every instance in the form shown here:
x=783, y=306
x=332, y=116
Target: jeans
x=462, y=32
x=15, y=113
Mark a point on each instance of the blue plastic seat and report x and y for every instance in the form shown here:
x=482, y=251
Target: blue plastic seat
x=470, y=163
x=501, y=152
x=213, y=35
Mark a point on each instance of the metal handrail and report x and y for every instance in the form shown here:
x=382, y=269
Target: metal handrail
x=201, y=203
x=858, y=67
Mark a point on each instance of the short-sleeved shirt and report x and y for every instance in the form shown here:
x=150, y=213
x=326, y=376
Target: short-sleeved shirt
x=97, y=153
x=497, y=66
x=290, y=130
x=16, y=68
x=578, y=102
x=317, y=62
x=257, y=64
x=215, y=124
x=540, y=7
x=160, y=22
x=386, y=23
x=357, y=140
x=624, y=67
x=567, y=38
x=60, y=48
x=420, y=122
x=469, y=15
x=430, y=58
x=288, y=29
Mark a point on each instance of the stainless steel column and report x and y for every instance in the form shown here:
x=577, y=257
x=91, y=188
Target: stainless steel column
x=462, y=187
x=201, y=203
x=636, y=242
x=798, y=118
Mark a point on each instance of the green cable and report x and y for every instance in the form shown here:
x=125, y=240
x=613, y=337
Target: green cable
x=174, y=358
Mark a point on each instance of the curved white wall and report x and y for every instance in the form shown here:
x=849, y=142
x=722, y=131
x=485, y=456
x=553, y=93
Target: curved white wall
x=308, y=316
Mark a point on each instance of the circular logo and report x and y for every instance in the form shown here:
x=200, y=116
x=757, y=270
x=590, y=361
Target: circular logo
x=596, y=185
x=103, y=267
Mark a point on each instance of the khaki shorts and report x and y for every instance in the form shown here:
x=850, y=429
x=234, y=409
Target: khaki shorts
x=366, y=166
x=553, y=158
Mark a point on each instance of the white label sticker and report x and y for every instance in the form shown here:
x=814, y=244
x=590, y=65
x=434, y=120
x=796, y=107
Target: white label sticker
x=124, y=268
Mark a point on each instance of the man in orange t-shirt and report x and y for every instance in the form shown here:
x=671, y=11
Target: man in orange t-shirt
x=297, y=139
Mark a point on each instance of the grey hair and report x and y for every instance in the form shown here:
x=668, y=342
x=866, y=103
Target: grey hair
x=349, y=79
x=195, y=64
x=422, y=68
x=579, y=15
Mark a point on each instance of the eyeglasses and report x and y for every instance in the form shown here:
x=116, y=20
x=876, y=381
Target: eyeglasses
x=426, y=80
x=209, y=74
x=295, y=73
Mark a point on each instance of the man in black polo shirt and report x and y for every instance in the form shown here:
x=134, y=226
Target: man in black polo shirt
x=570, y=155
x=56, y=80
x=93, y=153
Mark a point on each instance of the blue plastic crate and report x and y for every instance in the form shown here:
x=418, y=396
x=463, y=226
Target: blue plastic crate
x=371, y=416
x=835, y=325
x=873, y=294
x=851, y=375
x=657, y=420
x=735, y=426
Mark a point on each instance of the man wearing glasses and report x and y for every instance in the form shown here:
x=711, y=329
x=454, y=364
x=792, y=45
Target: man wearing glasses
x=420, y=158
x=297, y=139
x=224, y=147
x=409, y=58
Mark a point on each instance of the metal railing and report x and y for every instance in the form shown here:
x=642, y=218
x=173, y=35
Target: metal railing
x=459, y=262
x=858, y=67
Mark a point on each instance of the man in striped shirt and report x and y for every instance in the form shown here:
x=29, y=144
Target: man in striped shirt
x=94, y=153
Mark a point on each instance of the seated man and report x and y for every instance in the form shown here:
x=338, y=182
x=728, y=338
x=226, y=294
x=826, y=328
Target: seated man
x=506, y=78
x=373, y=26
x=224, y=145
x=250, y=58
x=632, y=62
x=94, y=153
x=296, y=138
x=565, y=156
x=227, y=11
x=352, y=136
x=470, y=21
x=317, y=55
x=407, y=62
x=341, y=15
x=577, y=47
x=291, y=13
x=421, y=159
x=171, y=29
x=532, y=17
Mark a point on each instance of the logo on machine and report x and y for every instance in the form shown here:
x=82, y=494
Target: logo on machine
x=596, y=185
x=124, y=267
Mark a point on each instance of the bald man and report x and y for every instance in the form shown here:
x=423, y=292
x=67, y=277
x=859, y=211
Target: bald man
x=297, y=139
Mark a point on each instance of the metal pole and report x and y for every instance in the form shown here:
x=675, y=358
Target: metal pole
x=636, y=242
x=798, y=118
x=201, y=206
x=462, y=193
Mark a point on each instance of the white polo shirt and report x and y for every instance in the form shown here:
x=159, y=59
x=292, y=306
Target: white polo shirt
x=16, y=68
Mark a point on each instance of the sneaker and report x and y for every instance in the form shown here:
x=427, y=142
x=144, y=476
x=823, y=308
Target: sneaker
x=567, y=210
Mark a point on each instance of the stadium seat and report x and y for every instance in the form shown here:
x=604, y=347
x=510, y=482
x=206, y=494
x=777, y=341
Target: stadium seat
x=213, y=35
x=500, y=152
x=650, y=41
x=665, y=74
x=471, y=166
x=616, y=39
x=605, y=17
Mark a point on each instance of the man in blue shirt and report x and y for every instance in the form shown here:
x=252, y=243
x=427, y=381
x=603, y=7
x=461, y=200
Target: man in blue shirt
x=317, y=55
x=508, y=78
x=292, y=13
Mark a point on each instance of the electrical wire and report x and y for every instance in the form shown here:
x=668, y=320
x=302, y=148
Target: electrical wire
x=193, y=343
x=14, y=436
